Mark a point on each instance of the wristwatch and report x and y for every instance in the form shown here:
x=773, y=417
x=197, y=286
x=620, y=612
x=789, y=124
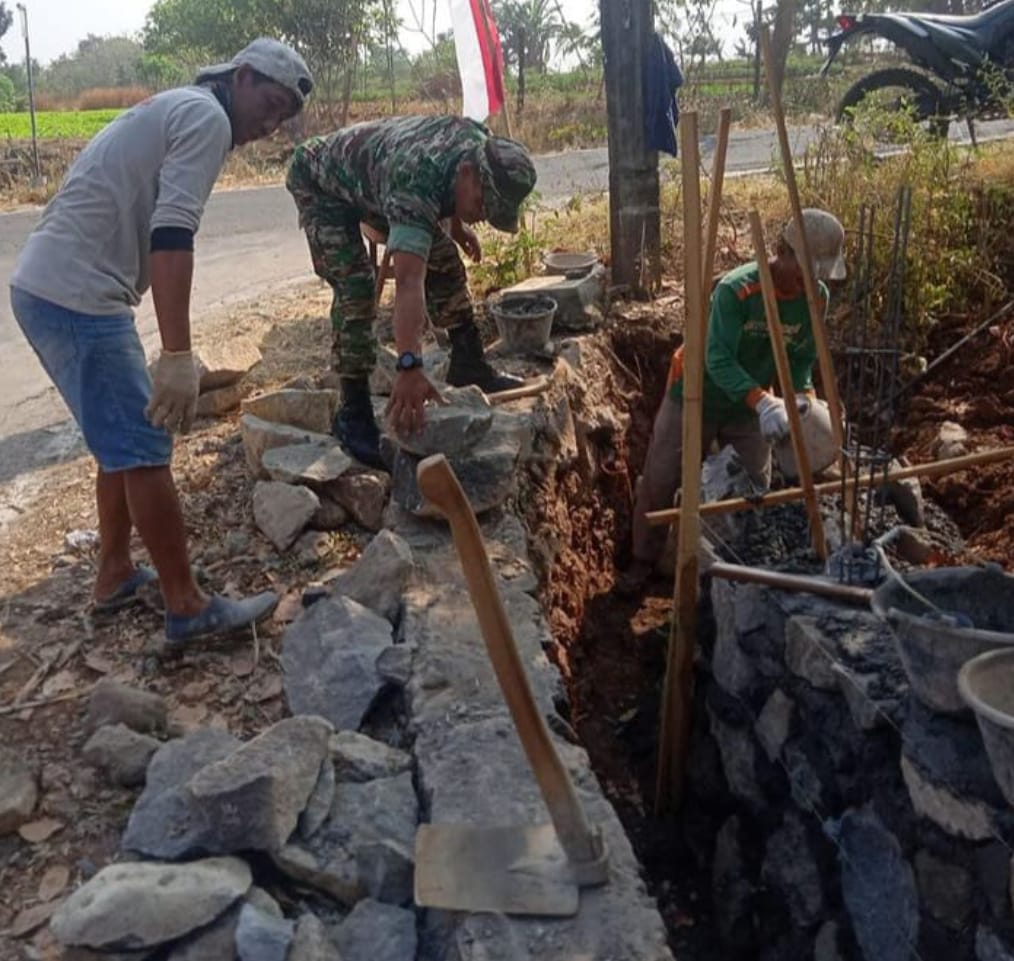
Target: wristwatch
x=408, y=361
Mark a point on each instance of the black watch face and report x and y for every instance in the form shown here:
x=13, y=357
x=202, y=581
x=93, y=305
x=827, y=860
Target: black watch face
x=408, y=361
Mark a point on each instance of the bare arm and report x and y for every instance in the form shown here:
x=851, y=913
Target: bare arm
x=171, y=276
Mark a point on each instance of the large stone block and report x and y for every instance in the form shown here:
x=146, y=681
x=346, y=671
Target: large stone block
x=311, y=410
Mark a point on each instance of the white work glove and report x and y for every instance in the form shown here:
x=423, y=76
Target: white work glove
x=774, y=420
x=173, y=401
x=803, y=403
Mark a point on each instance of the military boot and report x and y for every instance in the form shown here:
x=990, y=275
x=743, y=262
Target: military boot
x=469, y=366
x=354, y=424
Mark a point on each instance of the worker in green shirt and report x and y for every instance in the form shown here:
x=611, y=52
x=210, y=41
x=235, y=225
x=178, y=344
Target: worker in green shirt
x=739, y=406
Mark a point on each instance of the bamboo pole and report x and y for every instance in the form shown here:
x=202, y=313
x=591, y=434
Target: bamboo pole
x=788, y=389
x=715, y=198
x=937, y=468
x=677, y=699
x=827, y=374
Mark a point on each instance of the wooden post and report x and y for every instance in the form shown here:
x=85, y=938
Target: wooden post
x=785, y=380
x=677, y=698
x=634, y=219
x=827, y=374
x=715, y=198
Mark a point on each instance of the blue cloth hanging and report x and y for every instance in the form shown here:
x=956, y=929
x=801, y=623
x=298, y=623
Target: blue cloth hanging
x=662, y=78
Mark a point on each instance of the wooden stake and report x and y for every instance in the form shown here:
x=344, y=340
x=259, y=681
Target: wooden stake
x=785, y=381
x=937, y=468
x=677, y=699
x=827, y=374
x=715, y=198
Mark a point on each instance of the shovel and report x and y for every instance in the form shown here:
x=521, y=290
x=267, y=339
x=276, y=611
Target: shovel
x=520, y=869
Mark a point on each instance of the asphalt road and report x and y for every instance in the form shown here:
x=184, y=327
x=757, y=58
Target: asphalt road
x=249, y=245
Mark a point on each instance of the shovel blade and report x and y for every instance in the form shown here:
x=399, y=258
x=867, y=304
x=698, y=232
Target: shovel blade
x=514, y=870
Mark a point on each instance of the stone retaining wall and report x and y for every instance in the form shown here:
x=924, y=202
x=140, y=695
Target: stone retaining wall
x=840, y=818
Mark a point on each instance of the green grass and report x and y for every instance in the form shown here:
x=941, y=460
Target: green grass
x=53, y=124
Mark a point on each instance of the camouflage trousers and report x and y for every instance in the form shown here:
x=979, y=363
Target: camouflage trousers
x=339, y=254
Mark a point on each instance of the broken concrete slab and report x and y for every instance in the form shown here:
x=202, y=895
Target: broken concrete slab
x=18, y=791
x=139, y=905
x=360, y=758
x=364, y=494
x=225, y=362
x=379, y=577
x=377, y=932
x=120, y=753
x=260, y=436
x=282, y=511
x=306, y=464
x=306, y=409
x=453, y=428
x=329, y=656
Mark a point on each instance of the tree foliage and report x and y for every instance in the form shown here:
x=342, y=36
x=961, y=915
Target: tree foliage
x=97, y=62
x=6, y=19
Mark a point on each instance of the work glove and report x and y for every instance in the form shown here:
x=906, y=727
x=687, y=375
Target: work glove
x=774, y=420
x=173, y=401
x=803, y=401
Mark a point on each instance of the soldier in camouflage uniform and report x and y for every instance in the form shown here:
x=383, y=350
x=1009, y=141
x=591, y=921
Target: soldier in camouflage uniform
x=403, y=176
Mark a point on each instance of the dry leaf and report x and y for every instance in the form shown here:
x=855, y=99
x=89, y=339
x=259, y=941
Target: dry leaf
x=36, y=831
x=53, y=882
x=31, y=918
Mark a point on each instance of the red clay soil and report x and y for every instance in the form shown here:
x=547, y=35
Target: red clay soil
x=975, y=389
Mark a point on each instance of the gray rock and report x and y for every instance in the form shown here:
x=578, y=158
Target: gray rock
x=826, y=947
x=260, y=436
x=790, y=867
x=489, y=936
x=857, y=689
x=383, y=810
x=774, y=722
x=878, y=887
x=807, y=653
x=222, y=400
x=306, y=409
x=329, y=656
x=952, y=441
x=306, y=464
x=435, y=362
x=906, y=495
x=395, y=665
x=282, y=511
x=318, y=806
x=378, y=579
x=945, y=890
x=452, y=429
x=363, y=494
x=964, y=817
x=225, y=362
x=120, y=753
x=989, y=947
x=739, y=760
x=732, y=668
x=248, y=799
x=386, y=871
x=18, y=791
x=487, y=474
x=311, y=941
x=114, y=703
x=215, y=942
x=377, y=932
x=138, y=905
x=359, y=758
x=330, y=515
x=178, y=760
x=261, y=936
x=732, y=892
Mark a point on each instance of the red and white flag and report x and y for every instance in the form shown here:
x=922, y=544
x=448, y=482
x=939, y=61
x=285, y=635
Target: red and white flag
x=480, y=58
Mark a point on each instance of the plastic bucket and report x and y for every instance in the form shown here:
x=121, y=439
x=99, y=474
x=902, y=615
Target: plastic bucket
x=523, y=320
x=570, y=263
x=986, y=684
x=932, y=648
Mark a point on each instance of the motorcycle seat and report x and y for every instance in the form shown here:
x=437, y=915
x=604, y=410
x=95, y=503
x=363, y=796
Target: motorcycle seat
x=981, y=24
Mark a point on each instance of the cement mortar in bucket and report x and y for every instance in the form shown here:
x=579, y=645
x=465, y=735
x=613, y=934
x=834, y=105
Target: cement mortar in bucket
x=978, y=616
x=524, y=321
x=986, y=684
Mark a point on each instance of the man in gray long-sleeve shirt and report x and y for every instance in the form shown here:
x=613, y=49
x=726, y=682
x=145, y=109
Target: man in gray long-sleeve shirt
x=123, y=220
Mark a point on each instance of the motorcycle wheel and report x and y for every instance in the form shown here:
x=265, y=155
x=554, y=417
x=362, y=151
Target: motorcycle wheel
x=898, y=89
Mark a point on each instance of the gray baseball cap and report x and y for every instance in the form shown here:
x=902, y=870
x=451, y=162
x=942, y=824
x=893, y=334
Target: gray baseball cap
x=273, y=59
x=826, y=239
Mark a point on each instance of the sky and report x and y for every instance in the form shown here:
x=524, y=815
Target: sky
x=56, y=26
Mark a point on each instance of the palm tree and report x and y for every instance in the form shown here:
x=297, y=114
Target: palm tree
x=527, y=31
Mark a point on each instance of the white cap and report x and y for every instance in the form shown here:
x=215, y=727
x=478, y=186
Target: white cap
x=274, y=60
x=825, y=237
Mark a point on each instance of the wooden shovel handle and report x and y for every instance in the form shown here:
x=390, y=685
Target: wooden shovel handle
x=582, y=845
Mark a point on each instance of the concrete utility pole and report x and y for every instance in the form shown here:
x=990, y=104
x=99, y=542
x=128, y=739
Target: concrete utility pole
x=36, y=172
x=627, y=29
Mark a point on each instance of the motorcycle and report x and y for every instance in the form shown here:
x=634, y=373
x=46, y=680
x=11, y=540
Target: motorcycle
x=965, y=65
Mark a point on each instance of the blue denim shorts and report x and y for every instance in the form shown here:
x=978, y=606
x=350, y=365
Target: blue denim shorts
x=97, y=363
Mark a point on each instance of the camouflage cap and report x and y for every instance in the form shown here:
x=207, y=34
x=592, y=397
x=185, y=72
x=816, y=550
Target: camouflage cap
x=508, y=176
x=825, y=237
